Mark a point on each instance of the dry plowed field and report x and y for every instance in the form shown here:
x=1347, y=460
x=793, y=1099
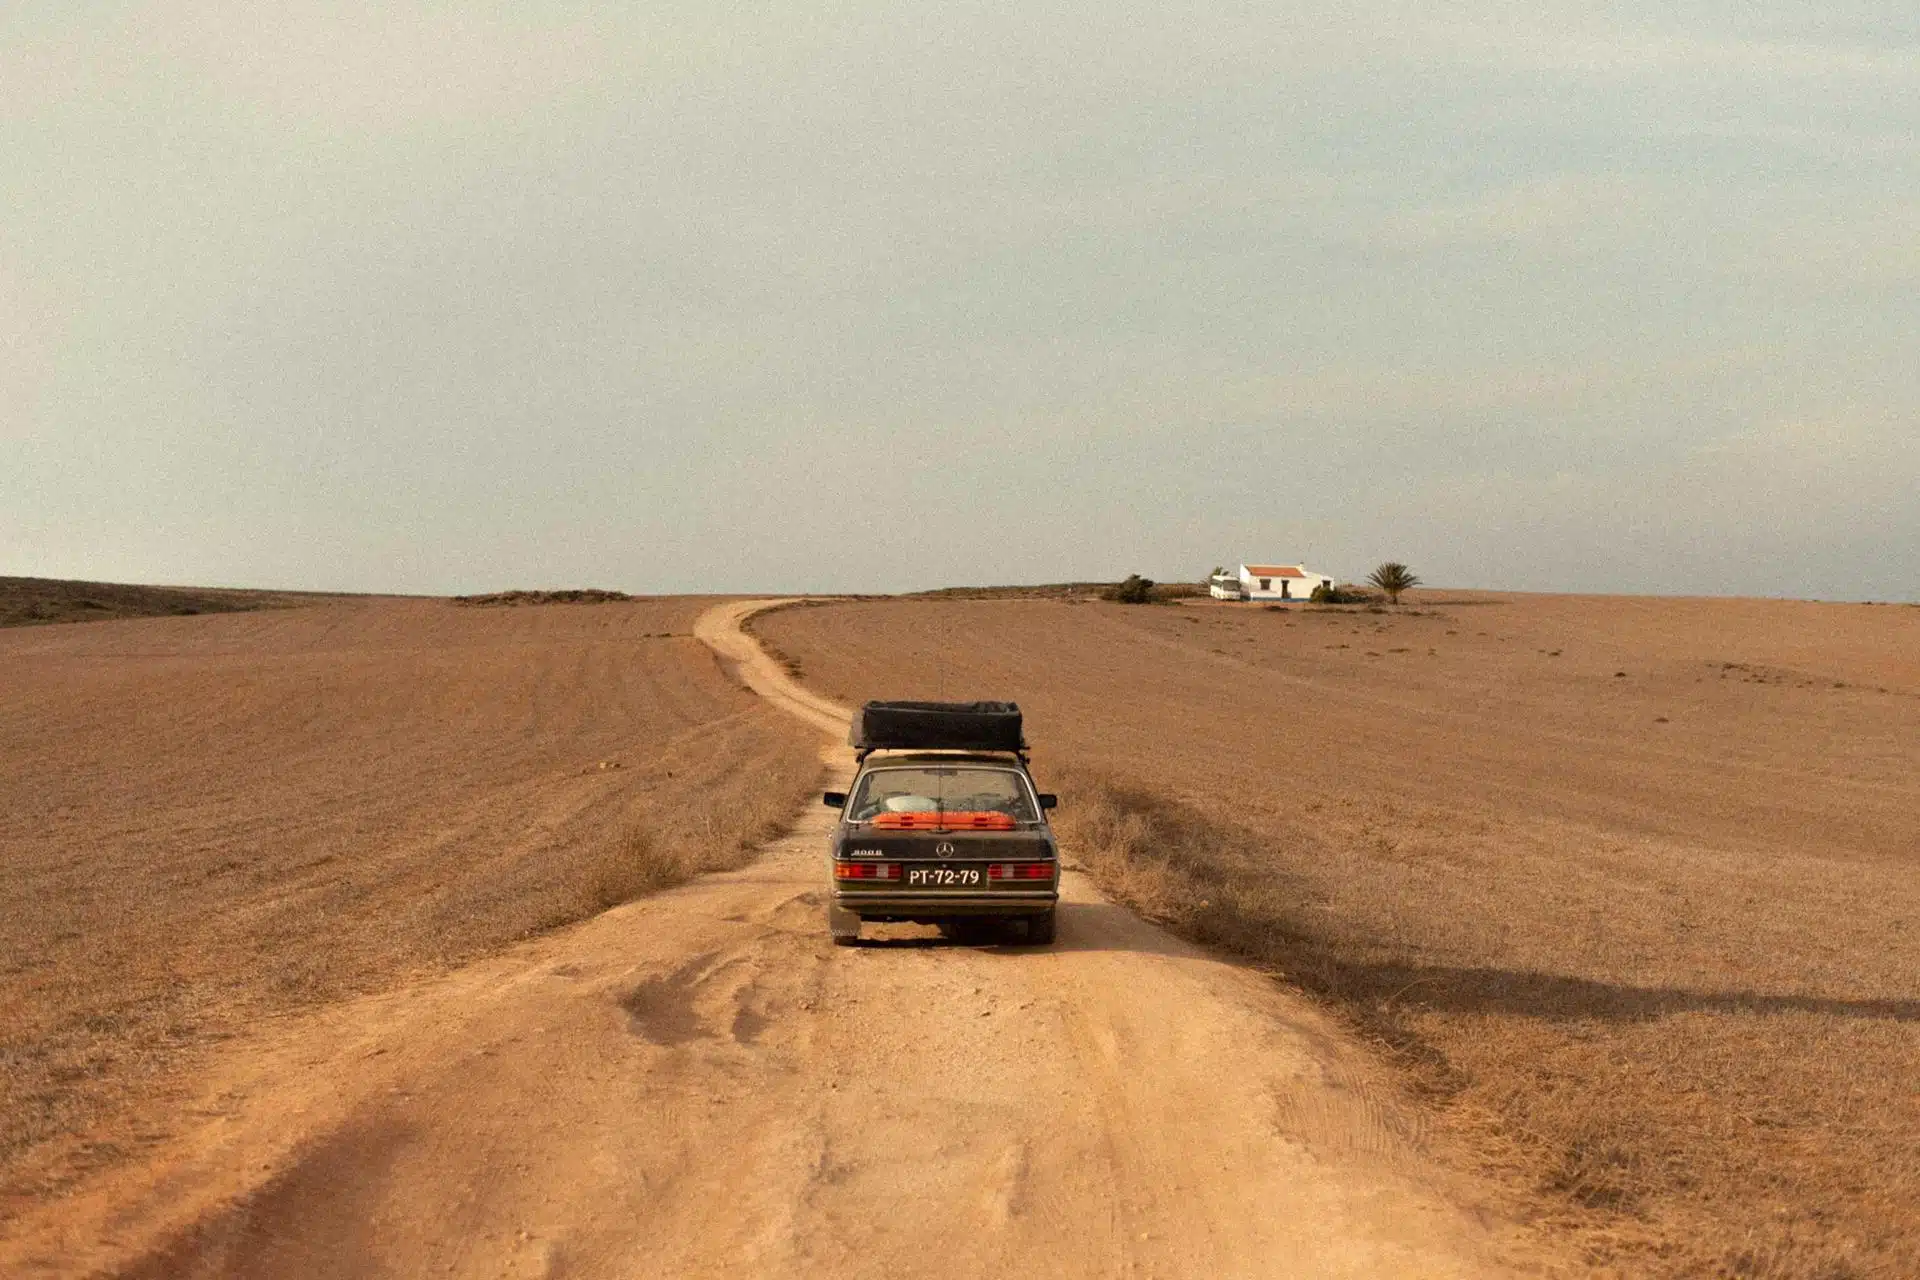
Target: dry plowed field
x=1628, y=889
x=213, y=822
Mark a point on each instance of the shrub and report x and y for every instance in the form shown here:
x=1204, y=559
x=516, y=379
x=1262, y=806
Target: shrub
x=1135, y=590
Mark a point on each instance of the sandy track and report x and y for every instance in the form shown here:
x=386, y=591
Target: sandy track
x=700, y=1084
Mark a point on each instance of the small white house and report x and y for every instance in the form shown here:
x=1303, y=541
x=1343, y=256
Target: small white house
x=1279, y=582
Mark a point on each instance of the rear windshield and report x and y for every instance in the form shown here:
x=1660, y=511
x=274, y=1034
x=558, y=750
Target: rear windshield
x=941, y=790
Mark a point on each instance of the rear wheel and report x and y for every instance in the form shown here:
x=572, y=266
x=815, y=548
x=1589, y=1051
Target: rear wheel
x=1040, y=929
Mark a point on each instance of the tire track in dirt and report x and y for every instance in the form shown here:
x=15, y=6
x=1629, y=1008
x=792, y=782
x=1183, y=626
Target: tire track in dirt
x=700, y=1084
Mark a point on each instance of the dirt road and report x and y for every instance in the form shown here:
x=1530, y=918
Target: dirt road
x=699, y=1084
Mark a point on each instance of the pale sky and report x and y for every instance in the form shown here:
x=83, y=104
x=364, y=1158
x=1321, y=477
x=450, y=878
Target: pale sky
x=877, y=296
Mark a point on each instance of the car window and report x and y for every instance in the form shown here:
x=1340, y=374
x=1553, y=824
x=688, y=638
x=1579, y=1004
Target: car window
x=941, y=790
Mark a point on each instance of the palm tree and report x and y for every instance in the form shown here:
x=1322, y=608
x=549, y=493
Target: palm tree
x=1393, y=578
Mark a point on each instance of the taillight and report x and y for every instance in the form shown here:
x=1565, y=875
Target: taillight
x=866, y=871
x=1020, y=871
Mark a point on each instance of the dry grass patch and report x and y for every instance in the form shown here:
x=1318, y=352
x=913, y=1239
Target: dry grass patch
x=719, y=831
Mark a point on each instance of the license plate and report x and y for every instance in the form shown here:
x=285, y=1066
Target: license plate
x=946, y=877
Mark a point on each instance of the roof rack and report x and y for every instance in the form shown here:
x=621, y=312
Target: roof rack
x=1024, y=755
x=937, y=726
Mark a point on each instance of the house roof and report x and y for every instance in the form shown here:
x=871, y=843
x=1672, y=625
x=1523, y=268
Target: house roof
x=1276, y=570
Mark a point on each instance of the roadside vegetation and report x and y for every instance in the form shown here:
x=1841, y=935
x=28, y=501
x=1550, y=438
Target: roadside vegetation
x=736, y=811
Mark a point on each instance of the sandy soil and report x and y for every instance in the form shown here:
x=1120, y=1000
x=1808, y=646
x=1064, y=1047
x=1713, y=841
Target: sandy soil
x=1629, y=886
x=700, y=1084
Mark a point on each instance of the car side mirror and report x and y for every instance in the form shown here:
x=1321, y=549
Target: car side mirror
x=1048, y=800
x=834, y=799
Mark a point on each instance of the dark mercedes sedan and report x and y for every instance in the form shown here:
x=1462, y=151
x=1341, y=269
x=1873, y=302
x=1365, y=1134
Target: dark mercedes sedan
x=947, y=837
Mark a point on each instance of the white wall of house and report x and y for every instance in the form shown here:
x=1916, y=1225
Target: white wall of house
x=1274, y=585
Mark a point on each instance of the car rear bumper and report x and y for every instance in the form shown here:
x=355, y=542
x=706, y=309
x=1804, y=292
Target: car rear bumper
x=888, y=905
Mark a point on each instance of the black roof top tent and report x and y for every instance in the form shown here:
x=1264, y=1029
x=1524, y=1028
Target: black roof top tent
x=937, y=726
